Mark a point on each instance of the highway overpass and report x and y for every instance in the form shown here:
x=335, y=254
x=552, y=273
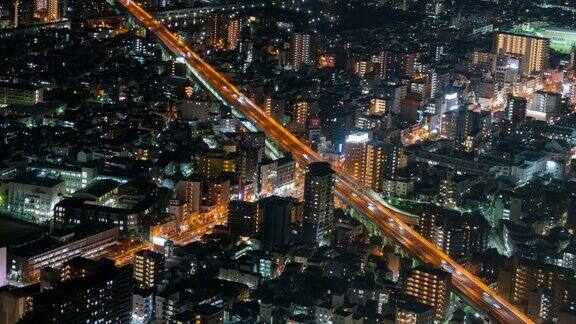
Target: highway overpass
x=365, y=201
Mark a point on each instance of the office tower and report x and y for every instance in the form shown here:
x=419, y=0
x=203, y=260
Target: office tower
x=148, y=268
x=516, y=109
x=277, y=221
x=319, y=202
x=431, y=287
x=90, y=291
x=522, y=277
x=233, y=30
x=355, y=151
x=276, y=175
x=242, y=218
x=545, y=105
x=449, y=124
x=531, y=50
x=392, y=65
x=303, y=50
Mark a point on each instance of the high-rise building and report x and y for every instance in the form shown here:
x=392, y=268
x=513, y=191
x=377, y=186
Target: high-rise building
x=90, y=291
x=233, y=30
x=378, y=106
x=249, y=159
x=216, y=193
x=545, y=105
x=318, y=202
x=430, y=286
x=142, y=305
x=53, y=10
x=370, y=161
x=189, y=192
x=274, y=107
x=303, y=50
x=148, y=268
x=212, y=164
x=532, y=51
x=539, y=305
x=224, y=30
x=522, y=276
x=15, y=302
x=516, y=109
x=355, y=154
x=23, y=14
x=243, y=218
x=466, y=127
x=434, y=8
x=300, y=115
x=215, y=29
x=277, y=221
x=397, y=64
x=459, y=236
x=34, y=196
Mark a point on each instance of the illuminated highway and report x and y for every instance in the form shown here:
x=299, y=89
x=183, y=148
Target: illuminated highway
x=365, y=201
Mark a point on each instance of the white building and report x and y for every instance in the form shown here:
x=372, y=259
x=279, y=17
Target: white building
x=545, y=105
x=33, y=197
x=142, y=306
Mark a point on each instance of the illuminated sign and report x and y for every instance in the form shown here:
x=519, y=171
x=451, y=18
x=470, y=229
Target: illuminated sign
x=358, y=137
x=451, y=96
x=158, y=241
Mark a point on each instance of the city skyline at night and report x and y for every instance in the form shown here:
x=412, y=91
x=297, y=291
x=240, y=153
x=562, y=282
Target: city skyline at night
x=302, y=161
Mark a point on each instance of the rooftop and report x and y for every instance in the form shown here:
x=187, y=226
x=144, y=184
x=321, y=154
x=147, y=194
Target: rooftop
x=19, y=86
x=32, y=178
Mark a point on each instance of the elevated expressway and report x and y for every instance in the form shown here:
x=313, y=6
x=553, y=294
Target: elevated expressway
x=387, y=218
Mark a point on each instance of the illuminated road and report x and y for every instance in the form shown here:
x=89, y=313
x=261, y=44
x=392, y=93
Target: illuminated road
x=196, y=232
x=126, y=255
x=367, y=202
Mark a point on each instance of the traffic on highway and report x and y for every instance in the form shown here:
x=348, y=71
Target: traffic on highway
x=389, y=219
